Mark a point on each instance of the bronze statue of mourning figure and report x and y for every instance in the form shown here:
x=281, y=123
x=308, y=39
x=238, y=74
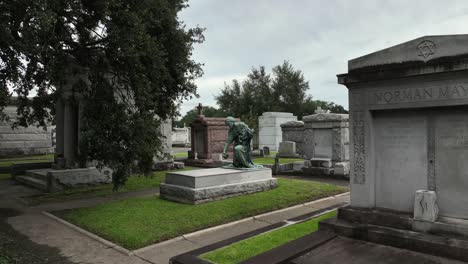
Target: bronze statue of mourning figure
x=241, y=135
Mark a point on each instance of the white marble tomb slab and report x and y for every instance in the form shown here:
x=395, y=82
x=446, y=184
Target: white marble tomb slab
x=206, y=185
x=400, y=159
x=451, y=164
x=323, y=143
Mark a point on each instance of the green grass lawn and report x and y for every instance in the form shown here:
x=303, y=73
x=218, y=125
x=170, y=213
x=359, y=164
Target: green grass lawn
x=138, y=222
x=134, y=183
x=5, y=260
x=181, y=155
x=26, y=159
x=271, y=160
x=259, y=244
x=4, y=176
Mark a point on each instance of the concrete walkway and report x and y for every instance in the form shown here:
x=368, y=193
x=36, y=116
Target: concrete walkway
x=80, y=248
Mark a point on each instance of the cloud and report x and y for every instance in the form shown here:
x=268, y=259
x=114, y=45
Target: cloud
x=208, y=88
x=317, y=37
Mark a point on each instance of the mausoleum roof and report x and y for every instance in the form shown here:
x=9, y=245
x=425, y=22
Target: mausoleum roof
x=325, y=117
x=292, y=124
x=423, y=49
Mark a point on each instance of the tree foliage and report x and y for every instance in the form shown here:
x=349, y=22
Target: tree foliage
x=190, y=116
x=283, y=91
x=129, y=60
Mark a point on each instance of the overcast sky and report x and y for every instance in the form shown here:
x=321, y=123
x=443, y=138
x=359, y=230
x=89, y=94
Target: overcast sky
x=317, y=37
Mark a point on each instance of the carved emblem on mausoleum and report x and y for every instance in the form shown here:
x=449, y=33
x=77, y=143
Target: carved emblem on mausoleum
x=426, y=48
x=359, y=149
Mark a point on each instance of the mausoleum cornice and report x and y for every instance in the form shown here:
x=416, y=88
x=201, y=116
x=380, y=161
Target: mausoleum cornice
x=421, y=56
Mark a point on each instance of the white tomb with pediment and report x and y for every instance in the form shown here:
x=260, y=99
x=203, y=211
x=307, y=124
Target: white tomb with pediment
x=408, y=110
x=409, y=124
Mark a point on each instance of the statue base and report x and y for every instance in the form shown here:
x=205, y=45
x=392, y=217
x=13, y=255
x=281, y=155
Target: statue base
x=207, y=185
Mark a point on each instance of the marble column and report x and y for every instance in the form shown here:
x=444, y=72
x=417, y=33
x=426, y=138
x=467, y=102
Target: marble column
x=59, y=120
x=70, y=133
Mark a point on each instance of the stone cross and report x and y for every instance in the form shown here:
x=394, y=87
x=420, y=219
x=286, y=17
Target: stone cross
x=200, y=109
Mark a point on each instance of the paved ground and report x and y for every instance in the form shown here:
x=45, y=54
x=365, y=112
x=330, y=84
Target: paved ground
x=18, y=248
x=351, y=251
x=48, y=241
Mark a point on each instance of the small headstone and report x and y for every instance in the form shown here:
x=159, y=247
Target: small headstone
x=275, y=168
x=257, y=153
x=287, y=148
x=342, y=169
x=266, y=151
x=425, y=206
x=262, y=154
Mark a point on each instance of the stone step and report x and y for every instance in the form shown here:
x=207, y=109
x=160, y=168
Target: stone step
x=438, y=245
x=401, y=220
x=33, y=182
x=40, y=174
x=376, y=217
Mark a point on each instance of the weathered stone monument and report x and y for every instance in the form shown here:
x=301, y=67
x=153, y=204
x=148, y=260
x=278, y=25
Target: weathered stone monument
x=167, y=161
x=208, y=135
x=327, y=144
x=240, y=177
x=181, y=136
x=323, y=138
x=66, y=172
x=409, y=147
x=294, y=131
x=287, y=149
x=269, y=128
x=20, y=141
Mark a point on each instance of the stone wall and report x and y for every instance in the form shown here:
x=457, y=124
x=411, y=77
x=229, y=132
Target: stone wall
x=270, y=130
x=21, y=140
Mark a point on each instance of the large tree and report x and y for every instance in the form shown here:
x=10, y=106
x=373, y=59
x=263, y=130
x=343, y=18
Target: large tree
x=290, y=89
x=131, y=61
x=283, y=91
x=249, y=99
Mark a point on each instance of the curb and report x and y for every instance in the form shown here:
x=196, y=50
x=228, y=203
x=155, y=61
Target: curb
x=89, y=234
x=182, y=237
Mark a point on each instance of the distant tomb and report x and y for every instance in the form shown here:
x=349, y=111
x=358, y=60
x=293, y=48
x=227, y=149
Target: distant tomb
x=294, y=131
x=323, y=138
x=269, y=129
x=208, y=135
x=327, y=144
x=181, y=136
x=21, y=141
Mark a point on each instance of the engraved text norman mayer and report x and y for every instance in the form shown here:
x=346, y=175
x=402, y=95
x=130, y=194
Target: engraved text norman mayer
x=407, y=95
